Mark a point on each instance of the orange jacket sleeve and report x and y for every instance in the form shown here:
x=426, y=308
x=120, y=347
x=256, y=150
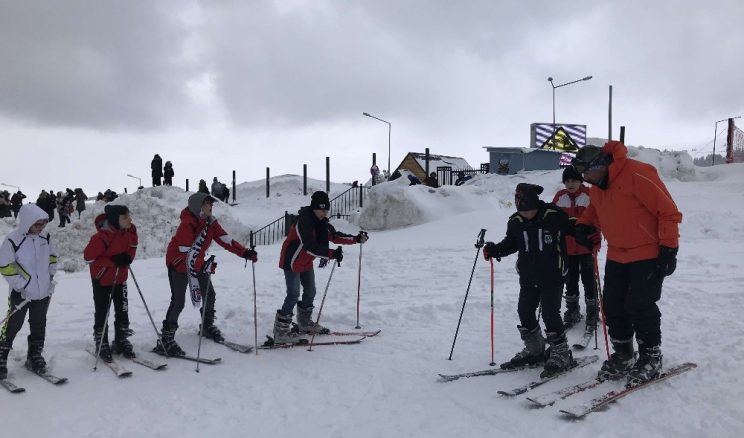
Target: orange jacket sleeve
x=654, y=195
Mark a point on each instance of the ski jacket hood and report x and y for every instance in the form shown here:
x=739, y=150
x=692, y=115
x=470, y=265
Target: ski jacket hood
x=195, y=203
x=28, y=215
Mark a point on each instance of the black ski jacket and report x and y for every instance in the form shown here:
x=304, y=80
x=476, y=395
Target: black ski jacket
x=541, y=243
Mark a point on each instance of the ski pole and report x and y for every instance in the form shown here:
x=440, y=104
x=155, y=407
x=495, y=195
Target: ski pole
x=359, y=284
x=320, y=310
x=13, y=310
x=478, y=245
x=105, y=323
x=600, y=295
x=149, y=315
x=255, y=306
x=492, y=362
x=205, y=295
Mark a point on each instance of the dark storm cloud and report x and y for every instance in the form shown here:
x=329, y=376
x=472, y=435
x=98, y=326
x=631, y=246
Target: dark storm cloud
x=101, y=64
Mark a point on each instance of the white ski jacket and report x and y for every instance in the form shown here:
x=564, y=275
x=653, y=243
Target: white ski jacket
x=28, y=262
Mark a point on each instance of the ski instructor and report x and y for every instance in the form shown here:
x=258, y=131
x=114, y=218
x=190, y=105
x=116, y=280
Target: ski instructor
x=640, y=222
x=188, y=269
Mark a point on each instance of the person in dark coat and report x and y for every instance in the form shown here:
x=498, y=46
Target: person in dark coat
x=157, y=170
x=168, y=174
x=80, y=199
x=16, y=201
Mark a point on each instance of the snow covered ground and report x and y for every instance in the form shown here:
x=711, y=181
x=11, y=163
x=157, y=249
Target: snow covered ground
x=415, y=271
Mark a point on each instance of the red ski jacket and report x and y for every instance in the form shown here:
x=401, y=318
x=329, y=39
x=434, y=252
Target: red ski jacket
x=186, y=236
x=636, y=212
x=308, y=239
x=106, y=242
x=574, y=205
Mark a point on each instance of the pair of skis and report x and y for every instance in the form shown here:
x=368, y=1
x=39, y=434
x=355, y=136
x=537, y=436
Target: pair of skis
x=15, y=389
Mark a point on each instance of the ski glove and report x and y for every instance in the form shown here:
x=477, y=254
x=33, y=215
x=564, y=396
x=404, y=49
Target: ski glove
x=210, y=266
x=362, y=237
x=121, y=259
x=587, y=236
x=251, y=255
x=490, y=250
x=337, y=254
x=666, y=263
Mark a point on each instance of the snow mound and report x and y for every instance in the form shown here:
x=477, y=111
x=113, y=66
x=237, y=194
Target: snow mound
x=670, y=164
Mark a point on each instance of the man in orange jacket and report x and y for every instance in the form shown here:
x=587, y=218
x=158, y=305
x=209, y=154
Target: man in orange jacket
x=639, y=219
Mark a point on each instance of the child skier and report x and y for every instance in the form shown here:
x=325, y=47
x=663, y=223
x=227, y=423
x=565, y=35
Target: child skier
x=537, y=230
x=109, y=253
x=28, y=261
x=308, y=238
x=574, y=199
x=187, y=267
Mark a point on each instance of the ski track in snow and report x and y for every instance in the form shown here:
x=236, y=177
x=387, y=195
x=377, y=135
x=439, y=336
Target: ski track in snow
x=414, y=281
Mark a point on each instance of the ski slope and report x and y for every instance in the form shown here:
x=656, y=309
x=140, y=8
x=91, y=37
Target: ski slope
x=415, y=270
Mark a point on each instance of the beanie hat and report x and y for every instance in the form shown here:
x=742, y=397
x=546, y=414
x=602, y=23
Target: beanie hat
x=319, y=201
x=527, y=197
x=570, y=172
x=113, y=212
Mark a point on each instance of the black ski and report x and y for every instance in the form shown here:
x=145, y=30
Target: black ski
x=563, y=393
x=578, y=363
x=148, y=363
x=601, y=401
x=269, y=344
x=586, y=338
x=369, y=334
x=237, y=347
x=117, y=368
x=192, y=358
x=54, y=380
x=489, y=372
x=12, y=387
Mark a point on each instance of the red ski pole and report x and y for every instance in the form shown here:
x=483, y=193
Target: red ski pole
x=359, y=284
x=600, y=296
x=492, y=361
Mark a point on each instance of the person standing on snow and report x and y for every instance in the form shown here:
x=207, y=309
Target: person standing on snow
x=641, y=224
x=16, y=201
x=157, y=170
x=187, y=268
x=109, y=253
x=28, y=262
x=573, y=200
x=168, y=174
x=537, y=231
x=307, y=239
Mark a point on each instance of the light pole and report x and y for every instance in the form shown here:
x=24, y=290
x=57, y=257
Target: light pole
x=138, y=179
x=11, y=185
x=389, y=129
x=550, y=79
x=715, y=134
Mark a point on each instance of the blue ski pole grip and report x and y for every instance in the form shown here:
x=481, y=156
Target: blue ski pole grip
x=481, y=238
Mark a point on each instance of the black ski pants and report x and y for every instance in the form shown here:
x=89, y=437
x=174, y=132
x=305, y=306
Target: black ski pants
x=37, y=316
x=581, y=266
x=179, y=283
x=530, y=297
x=631, y=291
x=101, y=297
x=155, y=181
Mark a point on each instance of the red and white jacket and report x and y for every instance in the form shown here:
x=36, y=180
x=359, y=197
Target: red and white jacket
x=574, y=205
x=106, y=242
x=306, y=241
x=187, y=233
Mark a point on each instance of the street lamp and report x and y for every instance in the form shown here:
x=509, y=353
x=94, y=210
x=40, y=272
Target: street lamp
x=11, y=185
x=139, y=184
x=715, y=134
x=389, y=129
x=550, y=79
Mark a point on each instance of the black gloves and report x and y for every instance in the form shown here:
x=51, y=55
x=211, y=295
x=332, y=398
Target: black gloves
x=251, y=255
x=491, y=250
x=361, y=237
x=587, y=236
x=666, y=263
x=122, y=259
x=337, y=254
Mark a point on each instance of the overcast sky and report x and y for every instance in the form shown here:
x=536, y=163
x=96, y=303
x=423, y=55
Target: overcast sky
x=91, y=90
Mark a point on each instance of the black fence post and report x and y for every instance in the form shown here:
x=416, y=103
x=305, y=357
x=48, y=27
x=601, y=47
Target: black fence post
x=427, y=162
x=622, y=134
x=374, y=163
x=125, y=190
x=361, y=195
x=267, y=182
x=328, y=175
x=286, y=223
x=234, y=186
x=304, y=179
x=187, y=184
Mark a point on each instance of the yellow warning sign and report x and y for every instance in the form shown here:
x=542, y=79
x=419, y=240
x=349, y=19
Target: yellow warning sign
x=560, y=141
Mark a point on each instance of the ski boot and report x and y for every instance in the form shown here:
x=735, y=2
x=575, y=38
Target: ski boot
x=591, y=316
x=168, y=347
x=101, y=339
x=121, y=344
x=647, y=367
x=282, y=330
x=34, y=360
x=620, y=362
x=4, y=351
x=210, y=330
x=572, y=315
x=533, y=352
x=306, y=325
x=560, y=357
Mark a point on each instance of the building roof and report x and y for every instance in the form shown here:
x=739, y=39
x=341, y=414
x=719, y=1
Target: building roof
x=440, y=160
x=516, y=150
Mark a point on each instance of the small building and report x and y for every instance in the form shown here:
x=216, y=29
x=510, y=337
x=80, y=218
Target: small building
x=415, y=162
x=512, y=160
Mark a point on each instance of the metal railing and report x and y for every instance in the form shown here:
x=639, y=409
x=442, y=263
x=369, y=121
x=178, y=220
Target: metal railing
x=446, y=175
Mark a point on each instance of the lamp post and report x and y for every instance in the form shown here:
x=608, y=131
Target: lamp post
x=139, y=184
x=389, y=129
x=550, y=79
x=715, y=134
x=11, y=185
